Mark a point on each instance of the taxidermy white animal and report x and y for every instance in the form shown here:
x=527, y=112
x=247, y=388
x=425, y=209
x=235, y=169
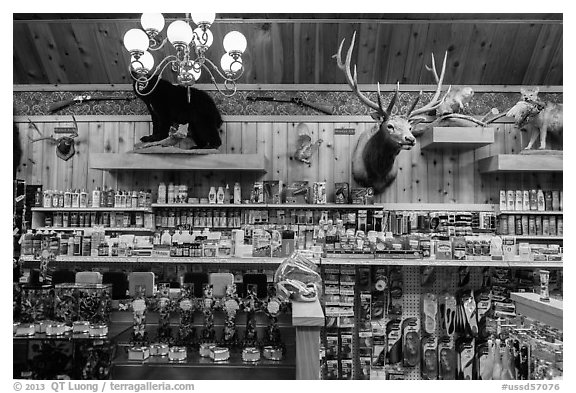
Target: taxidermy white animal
x=537, y=117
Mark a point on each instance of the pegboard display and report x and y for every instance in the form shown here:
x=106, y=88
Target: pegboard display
x=416, y=281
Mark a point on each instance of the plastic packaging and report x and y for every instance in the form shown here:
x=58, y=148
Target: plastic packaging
x=298, y=278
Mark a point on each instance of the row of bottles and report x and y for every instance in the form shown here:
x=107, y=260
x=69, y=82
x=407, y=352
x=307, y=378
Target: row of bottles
x=98, y=198
x=172, y=194
x=105, y=219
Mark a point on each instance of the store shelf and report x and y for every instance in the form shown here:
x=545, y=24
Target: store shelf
x=385, y=206
x=107, y=229
x=442, y=207
x=459, y=138
x=438, y=262
x=178, y=162
x=532, y=212
x=92, y=209
x=520, y=163
x=530, y=305
x=165, y=260
x=529, y=237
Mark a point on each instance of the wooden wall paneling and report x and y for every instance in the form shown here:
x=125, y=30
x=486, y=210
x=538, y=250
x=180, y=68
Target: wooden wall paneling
x=497, y=181
x=223, y=137
x=287, y=34
x=143, y=180
x=342, y=154
x=110, y=146
x=547, y=42
x=296, y=170
x=81, y=158
x=260, y=40
x=345, y=32
x=48, y=52
x=419, y=180
x=436, y=42
x=556, y=66
x=84, y=35
x=125, y=179
x=117, y=59
x=65, y=169
x=27, y=64
x=264, y=133
x=394, y=66
x=277, y=48
x=48, y=168
x=418, y=55
x=36, y=154
x=513, y=145
x=458, y=52
x=352, y=142
x=24, y=169
x=329, y=39
x=435, y=169
x=474, y=66
x=326, y=158
x=306, y=38
x=73, y=56
x=481, y=182
x=96, y=145
x=464, y=177
x=279, y=152
x=496, y=72
x=403, y=183
x=367, y=42
x=449, y=158
x=234, y=144
x=520, y=53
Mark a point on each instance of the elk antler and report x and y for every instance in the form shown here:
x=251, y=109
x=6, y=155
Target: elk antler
x=435, y=101
x=353, y=80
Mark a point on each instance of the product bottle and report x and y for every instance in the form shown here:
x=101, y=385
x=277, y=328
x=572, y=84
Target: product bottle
x=540, y=201
x=170, y=193
x=83, y=198
x=71, y=245
x=47, y=199
x=96, y=197
x=75, y=198
x=212, y=195
x=134, y=199
x=162, y=193
x=227, y=196
x=237, y=194
x=55, y=198
x=497, y=370
x=27, y=243
x=166, y=239
x=38, y=197
x=220, y=196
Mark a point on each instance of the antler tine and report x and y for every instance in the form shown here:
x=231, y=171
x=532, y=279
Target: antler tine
x=415, y=102
x=353, y=81
x=393, y=100
x=434, y=102
x=35, y=126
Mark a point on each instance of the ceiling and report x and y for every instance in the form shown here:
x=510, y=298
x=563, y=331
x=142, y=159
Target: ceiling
x=483, y=49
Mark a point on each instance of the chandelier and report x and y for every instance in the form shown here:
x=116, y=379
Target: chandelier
x=190, y=58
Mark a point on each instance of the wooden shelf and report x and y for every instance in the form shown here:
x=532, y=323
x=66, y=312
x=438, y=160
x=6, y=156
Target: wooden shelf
x=521, y=163
x=460, y=138
x=532, y=212
x=178, y=162
x=165, y=260
x=438, y=262
x=107, y=229
x=93, y=209
x=385, y=206
x=530, y=237
x=530, y=305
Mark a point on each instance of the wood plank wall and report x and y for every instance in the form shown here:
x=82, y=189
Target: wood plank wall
x=425, y=176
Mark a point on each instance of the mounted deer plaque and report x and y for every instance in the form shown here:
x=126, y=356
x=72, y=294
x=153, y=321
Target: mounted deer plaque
x=376, y=150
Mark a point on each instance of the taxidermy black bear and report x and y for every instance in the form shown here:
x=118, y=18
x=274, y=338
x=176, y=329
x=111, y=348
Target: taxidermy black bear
x=168, y=105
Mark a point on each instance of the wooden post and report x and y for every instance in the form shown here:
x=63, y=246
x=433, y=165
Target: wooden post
x=307, y=318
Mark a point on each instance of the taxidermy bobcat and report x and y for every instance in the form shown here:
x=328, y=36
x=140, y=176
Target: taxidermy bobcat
x=537, y=117
x=168, y=105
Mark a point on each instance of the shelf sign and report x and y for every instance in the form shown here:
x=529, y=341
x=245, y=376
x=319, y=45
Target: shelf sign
x=344, y=131
x=65, y=130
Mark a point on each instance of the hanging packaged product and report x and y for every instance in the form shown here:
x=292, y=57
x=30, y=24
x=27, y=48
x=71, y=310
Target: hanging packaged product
x=410, y=342
x=465, y=358
x=429, y=364
x=342, y=191
x=394, y=342
x=446, y=359
x=272, y=191
x=429, y=313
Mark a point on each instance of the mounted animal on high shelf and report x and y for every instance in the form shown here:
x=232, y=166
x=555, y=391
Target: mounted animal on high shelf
x=537, y=117
x=171, y=106
x=376, y=150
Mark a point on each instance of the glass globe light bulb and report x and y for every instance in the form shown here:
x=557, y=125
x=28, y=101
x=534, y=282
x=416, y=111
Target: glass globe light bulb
x=203, y=18
x=135, y=40
x=203, y=38
x=153, y=22
x=229, y=65
x=235, y=41
x=143, y=64
x=179, y=32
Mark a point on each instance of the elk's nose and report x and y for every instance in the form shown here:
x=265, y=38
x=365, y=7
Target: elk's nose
x=410, y=139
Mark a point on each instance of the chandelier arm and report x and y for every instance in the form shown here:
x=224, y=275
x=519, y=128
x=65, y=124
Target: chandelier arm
x=232, y=90
x=239, y=74
x=167, y=61
x=159, y=46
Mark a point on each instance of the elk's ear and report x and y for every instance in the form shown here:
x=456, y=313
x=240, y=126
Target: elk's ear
x=377, y=116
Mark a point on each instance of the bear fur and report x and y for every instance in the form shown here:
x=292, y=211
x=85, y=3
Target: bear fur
x=168, y=105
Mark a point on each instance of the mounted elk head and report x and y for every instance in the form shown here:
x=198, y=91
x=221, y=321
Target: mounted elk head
x=376, y=150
